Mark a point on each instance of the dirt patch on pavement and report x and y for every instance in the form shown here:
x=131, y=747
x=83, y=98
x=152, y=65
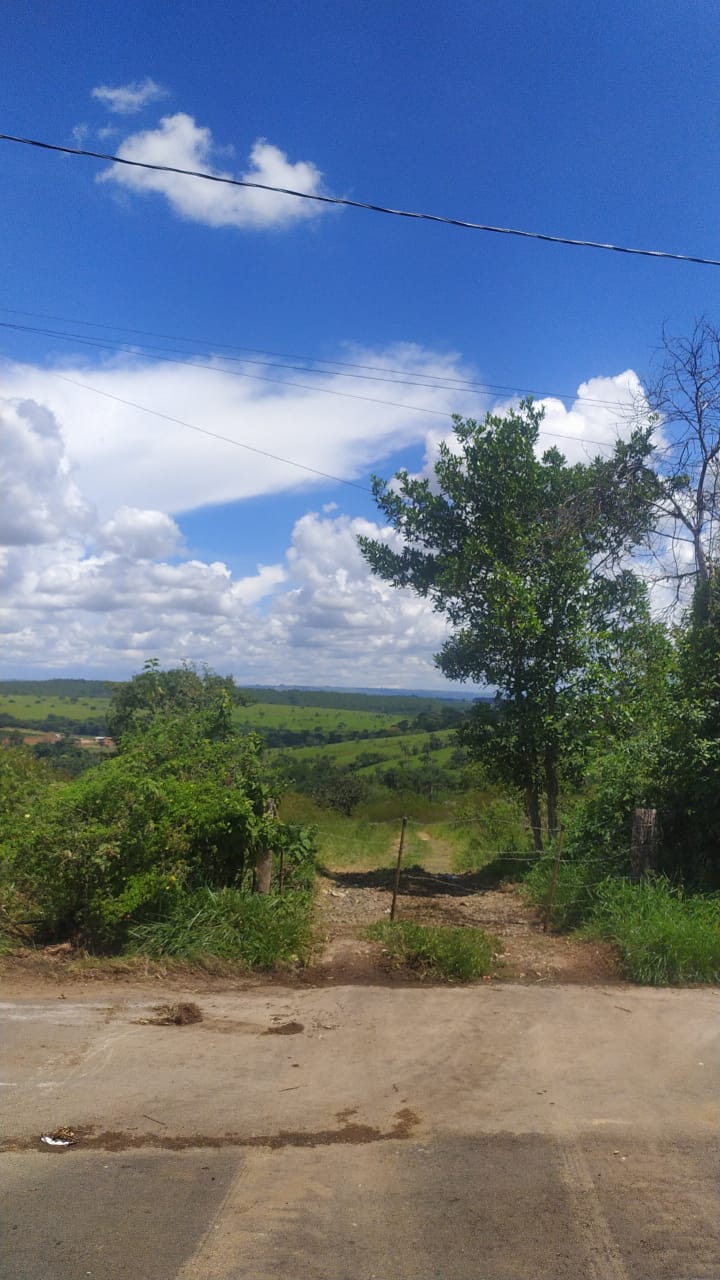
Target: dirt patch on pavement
x=350, y=901
x=349, y=1134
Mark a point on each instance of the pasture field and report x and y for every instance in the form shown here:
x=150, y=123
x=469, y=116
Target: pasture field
x=401, y=748
x=27, y=707
x=325, y=720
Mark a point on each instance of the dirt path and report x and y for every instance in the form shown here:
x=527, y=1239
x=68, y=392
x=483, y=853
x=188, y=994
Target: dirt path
x=349, y=901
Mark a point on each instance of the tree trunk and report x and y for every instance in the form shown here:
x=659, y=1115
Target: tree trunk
x=532, y=805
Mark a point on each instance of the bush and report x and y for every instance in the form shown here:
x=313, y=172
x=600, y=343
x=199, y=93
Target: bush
x=260, y=931
x=173, y=811
x=447, y=952
x=662, y=935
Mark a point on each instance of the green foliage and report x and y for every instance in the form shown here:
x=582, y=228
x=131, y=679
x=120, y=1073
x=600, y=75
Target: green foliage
x=688, y=767
x=23, y=779
x=260, y=931
x=181, y=691
x=58, y=688
x=497, y=828
x=339, y=789
x=173, y=811
x=518, y=552
x=575, y=891
x=662, y=935
x=65, y=758
x=444, y=952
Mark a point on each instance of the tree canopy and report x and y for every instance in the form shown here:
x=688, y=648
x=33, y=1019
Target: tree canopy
x=154, y=693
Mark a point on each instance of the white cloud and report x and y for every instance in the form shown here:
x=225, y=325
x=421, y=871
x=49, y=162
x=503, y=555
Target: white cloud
x=144, y=535
x=39, y=499
x=102, y=593
x=181, y=143
x=79, y=594
x=605, y=410
x=126, y=99
x=124, y=457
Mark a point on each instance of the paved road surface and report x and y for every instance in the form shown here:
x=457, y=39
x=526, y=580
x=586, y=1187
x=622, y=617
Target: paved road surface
x=498, y=1133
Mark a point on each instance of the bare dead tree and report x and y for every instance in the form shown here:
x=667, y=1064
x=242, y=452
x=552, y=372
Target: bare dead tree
x=684, y=396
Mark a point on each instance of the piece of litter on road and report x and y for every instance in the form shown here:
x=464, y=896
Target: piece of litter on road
x=62, y=1137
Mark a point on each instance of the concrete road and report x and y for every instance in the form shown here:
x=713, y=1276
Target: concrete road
x=499, y=1133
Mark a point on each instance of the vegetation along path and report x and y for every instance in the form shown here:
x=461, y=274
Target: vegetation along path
x=350, y=900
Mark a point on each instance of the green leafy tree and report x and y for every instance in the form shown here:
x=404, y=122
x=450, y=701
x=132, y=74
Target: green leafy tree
x=689, y=752
x=179, y=691
x=522, y=554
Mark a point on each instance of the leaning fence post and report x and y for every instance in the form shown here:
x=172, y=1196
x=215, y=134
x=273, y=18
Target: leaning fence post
x=553, y=882
x=396, y=886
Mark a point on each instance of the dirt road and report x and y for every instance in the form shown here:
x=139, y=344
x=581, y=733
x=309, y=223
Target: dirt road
x=500, y=1131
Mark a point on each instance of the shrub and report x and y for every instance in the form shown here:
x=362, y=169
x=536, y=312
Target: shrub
x=662, y=935
x=260, y=931
x=447, y=952
x=173, y=811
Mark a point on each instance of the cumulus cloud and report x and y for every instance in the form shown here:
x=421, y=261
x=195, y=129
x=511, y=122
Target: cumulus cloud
x=39, y=499
x=144, y=535
x=103, y=592
x=121, y=455
x=605, y=410
x=181, y=143
x=127, y=99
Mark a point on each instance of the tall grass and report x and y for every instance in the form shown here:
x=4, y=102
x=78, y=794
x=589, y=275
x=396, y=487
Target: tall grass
x=574, y=892
x=260, y=931
x=662, y=935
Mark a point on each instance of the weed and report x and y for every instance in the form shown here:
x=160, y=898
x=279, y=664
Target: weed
x=662, y=935
x=447, y=952
x=260, y=930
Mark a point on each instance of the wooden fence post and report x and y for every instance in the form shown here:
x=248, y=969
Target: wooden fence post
x=553, y=881
x=643, y=845
x=396, y=886
x=262, y=871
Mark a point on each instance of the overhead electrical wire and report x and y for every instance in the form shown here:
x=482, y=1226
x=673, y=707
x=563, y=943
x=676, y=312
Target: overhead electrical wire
x=205, y=431
x=360, y=204
x=135, y=350
x=438, y=381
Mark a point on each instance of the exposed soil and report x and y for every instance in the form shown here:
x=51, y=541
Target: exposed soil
x=350, y=901
x=348, y=1134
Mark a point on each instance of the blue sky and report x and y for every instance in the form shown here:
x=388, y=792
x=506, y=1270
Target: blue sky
x=129, y=537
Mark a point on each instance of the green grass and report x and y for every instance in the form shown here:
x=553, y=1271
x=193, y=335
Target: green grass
x=262, y=715
x=398, y=749
x=662, y=935
x=447, y=953
x=342, y=841
x=24, y=707
x=260, y=931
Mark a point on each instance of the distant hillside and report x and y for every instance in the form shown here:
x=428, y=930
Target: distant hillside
x=56, y=688
x=388, y=701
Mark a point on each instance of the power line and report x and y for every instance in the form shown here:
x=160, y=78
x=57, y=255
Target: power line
x=128, y=349
x=442, y=382
x=214, y=435
x=361, y=204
